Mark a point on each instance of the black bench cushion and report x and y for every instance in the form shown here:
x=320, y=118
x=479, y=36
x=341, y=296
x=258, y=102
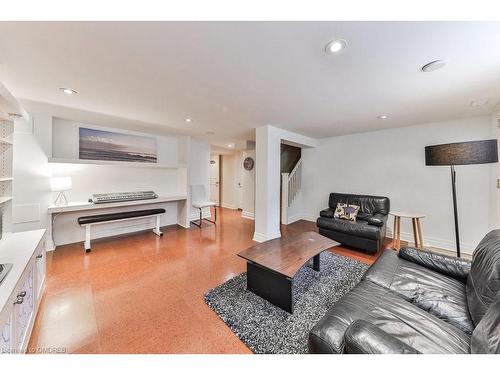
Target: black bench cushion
x=118, y=215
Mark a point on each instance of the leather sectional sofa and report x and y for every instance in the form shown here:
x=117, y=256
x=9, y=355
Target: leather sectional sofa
x=418, y=302
x=367, y=232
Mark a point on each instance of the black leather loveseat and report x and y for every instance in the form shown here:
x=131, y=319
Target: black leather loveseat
x=367, y=232
x=419, y=302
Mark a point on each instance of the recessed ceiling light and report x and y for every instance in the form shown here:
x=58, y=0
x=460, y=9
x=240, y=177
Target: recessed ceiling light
x=382, y=117
x=68, y=91
x=230, y=145
x=335, y=46
x=433, y=65
x=188, y=119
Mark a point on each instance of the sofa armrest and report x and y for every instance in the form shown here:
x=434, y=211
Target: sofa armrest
x=329, y=212
x=457, y=268
x=363, y=337
x=377, y=220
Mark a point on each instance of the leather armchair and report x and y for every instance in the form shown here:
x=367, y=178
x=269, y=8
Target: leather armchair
x=367, y=232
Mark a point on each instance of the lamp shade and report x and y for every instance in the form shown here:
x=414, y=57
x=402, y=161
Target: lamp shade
x=462, y=153
x=60, y=183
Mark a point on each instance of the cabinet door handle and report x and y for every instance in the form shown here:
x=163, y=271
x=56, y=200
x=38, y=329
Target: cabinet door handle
x=39, y=256
x=18, y=300
x=22, y=294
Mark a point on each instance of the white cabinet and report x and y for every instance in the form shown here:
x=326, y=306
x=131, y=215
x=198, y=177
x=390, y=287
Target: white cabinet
x=26, y=281
x=23, y=309
x=40, y=264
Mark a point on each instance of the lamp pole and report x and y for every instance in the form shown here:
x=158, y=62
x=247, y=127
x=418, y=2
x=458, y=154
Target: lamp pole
x=455, y=211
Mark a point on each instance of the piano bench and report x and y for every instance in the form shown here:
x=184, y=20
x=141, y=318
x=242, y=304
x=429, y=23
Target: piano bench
x=88, y=221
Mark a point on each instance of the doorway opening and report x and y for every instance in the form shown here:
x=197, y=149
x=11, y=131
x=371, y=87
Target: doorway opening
x=291, y=182
x=232, y=180
x=215, y=185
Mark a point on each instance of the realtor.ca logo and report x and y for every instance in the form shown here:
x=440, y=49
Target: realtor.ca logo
x=40, y=350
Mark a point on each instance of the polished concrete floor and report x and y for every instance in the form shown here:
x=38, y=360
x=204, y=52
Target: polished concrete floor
x=144, y=294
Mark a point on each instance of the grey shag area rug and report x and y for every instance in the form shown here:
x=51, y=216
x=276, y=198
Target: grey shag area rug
x=265, y=328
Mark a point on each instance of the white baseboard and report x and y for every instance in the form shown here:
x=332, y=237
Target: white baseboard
x=440, y=243
x=248, y=215
x=259, y=237
x=307, y=217
x=230, y=206
x=294, y=218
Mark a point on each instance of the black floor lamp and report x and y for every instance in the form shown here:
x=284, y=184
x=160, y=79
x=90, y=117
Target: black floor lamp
x=462, y=153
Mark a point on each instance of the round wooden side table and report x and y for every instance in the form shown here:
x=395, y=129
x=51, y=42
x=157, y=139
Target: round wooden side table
x=417, y=230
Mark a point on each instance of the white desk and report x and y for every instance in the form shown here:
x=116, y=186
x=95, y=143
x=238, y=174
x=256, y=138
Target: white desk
x=85, y=205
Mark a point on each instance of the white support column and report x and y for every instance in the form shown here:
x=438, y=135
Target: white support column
x=267, y=185
x=267, y=178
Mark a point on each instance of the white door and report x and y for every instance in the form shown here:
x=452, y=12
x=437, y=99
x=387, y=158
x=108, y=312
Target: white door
x=214, y=179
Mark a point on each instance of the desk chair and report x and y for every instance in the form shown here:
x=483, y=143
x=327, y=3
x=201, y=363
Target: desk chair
x=199, y=200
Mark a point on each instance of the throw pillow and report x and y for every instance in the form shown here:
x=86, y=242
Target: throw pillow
x=346, y=211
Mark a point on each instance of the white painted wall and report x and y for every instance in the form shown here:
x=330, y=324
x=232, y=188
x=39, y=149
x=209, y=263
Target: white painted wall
x=229, y=180
x=392, y=163
x=494, y=213
x=248, y=187
x=199, y=171
x=31, y=193
x=31, y=173
x=238, y=184
x=238, y=171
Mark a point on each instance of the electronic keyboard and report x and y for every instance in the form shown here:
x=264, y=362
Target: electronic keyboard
x=122, y=197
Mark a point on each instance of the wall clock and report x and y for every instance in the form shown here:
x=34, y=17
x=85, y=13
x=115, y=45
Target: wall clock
x=248, y=163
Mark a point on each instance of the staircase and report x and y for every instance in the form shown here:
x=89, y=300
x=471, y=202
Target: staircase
x=290, y=187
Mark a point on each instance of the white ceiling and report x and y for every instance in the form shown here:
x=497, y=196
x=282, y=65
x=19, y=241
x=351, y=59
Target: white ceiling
x=231, y=77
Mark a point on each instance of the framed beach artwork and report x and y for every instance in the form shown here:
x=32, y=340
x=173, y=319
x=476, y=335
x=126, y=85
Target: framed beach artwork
x=110, y=146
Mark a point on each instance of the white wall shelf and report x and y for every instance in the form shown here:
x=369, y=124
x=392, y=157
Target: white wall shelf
x=115, y=163
x=4, y=179
x=5, y=199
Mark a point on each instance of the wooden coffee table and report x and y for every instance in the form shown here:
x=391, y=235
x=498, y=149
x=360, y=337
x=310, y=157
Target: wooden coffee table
x=271, y=265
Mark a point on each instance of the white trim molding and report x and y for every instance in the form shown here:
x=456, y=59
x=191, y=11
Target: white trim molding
x=294, y=218
x=307, y=217
x=439, y=243
x=259, y=237
x=247, y=215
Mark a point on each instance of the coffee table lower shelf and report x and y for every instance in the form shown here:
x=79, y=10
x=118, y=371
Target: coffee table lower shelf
x=273, y=286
